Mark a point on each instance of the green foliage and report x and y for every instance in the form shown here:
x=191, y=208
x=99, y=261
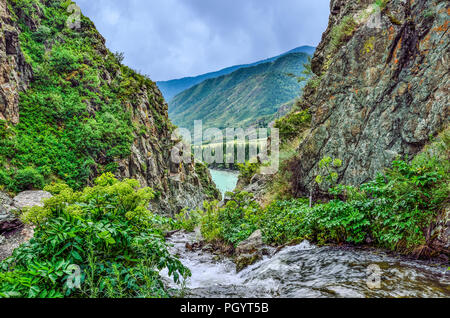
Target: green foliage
x=342, y=32
x=188, y=220
x=105, y=230
x=284, y=221
x=5, y=179
x=329, y=173
x=293, y=124
x=231, y=223
x=339, y=35
x=248, y=170
x=381, y=3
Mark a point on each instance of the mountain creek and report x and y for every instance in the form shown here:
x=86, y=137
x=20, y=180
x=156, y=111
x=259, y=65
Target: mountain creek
x=308, y=271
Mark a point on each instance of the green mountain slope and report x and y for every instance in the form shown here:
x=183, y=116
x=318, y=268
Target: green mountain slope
x=173, y=87
x=245, y=97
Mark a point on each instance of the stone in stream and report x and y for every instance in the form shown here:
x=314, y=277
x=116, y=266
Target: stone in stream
x=249, y=251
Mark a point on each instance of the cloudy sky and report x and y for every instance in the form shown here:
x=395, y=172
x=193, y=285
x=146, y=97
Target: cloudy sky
x=169, y=39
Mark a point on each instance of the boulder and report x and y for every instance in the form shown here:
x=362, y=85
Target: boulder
x=249, y=251
x=251, y=245
x=30, y=198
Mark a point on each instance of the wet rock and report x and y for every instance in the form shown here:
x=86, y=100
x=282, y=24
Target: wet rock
x=251, y=245
x=249, y=251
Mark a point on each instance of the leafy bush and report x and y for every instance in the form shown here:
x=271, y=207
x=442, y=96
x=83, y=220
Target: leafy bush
x=5, y=179
x=342, y=32
x=248, y=170
x=106, y=231
x=292, y=124
x=231, y=223
x=28, y=179
x=284, y=221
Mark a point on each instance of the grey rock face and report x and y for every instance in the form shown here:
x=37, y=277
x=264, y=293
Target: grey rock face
x=384, y=91
x=14, y=71
x=22, y=200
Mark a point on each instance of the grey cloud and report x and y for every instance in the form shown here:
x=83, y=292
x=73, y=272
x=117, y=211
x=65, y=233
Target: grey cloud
x=169, y=39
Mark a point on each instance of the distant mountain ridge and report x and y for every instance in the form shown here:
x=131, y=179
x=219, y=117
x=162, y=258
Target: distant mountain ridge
x=247, y=97
x=172, y=88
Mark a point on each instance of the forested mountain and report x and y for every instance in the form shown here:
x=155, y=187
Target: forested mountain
x=173, y=87
x=248, y=96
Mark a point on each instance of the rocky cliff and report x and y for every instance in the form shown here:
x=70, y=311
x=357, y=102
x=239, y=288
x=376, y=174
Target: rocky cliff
x=14, y=71
x=63, y=91
x=381, y=88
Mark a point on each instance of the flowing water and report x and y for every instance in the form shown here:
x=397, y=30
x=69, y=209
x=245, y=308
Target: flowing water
x=306, y=270
x=225, y=180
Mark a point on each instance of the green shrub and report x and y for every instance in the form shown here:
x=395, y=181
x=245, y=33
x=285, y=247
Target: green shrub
x=248, y=170
x=64, y=59
x=342, y=32
x=28, y=179
x=5, y=179
x=293, y=124
x=329, y=174
x=106, y=231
